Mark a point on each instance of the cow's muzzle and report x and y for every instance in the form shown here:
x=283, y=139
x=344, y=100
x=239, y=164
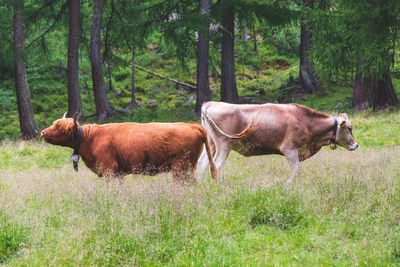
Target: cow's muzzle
x=353, y=146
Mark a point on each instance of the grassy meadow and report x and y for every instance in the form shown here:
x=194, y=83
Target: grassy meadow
x=344, y=209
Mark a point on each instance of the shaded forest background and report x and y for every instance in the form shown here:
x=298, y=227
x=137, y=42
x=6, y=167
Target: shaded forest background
x=133, y=60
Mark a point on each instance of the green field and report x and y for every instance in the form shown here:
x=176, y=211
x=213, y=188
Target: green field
x=344, y=209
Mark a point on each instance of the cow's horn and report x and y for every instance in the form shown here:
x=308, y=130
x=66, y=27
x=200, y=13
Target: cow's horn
x=65, y=115
x=75, y=123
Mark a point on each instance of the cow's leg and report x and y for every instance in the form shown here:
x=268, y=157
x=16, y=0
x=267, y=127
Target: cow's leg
x=202, y=165
x=179, y=169
x=221, y=154
x=177, y=176
x=109, y=171
x=203, y=162
x=107, y=178
x=120, y=178
x=189, y=177
x=293, y=157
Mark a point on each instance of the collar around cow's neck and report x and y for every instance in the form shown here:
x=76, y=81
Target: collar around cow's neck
x=78, y=140
x=333, y=139
x=75, y=154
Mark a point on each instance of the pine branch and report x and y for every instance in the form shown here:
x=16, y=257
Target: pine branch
x=107, y=31
x=51, y=26
x=49, y=3
x=123, y=28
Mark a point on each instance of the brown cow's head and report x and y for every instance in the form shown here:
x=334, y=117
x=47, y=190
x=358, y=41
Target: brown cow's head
x=61, y=132
x=344, y=136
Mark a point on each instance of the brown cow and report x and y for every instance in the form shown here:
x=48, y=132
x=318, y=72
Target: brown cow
x=292, y=130
x=117, y=149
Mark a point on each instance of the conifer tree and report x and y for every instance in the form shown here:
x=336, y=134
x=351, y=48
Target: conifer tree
x=307, y=75
x=27, y=122
x=74, y=98
x=203, y=86
x=229, y=91
x=134, y=103
x=100, y=96
x=358, y=37
x=269, y=12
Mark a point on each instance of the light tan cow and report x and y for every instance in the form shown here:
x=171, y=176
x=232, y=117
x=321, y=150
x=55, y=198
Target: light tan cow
x=294, y=131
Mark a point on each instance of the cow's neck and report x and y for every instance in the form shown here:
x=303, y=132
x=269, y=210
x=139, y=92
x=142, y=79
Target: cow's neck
x=321, y=134
x=87, y=131
x=324, y=128
x=78, y=140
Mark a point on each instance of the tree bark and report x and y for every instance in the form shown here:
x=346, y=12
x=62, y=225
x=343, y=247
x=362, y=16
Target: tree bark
x=26, y=119
x=74, y=98
x=100, y=96
x=308, y=78
x=255, y=38
x=203, y=93
x=369, y=93
x=360, y=99
x=228, y=80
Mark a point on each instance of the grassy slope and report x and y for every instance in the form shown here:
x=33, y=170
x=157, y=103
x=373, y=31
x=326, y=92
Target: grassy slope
x=344, y=210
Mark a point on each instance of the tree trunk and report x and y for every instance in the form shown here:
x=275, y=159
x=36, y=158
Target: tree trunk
x=308, y=78
x=360, y=99
x=26, y=120
x=133, y=89
x=203, y=93
x=134, y=103
x=100, y=96
x=368, y=93
x=74, y=98
x=228, y=81
x=255, y=38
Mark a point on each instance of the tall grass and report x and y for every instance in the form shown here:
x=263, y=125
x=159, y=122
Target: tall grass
x=12, y=237
x=343, y=210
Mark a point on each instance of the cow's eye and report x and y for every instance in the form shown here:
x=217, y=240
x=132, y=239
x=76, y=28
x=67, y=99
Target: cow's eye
x=350, y=129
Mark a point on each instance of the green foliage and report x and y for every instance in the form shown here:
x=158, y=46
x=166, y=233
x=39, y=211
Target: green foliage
x=12, y=236
x=275, y=206
x=287, y=39
x=331, y=98
x=273, y=13
x=6, y=40
x=349, y=31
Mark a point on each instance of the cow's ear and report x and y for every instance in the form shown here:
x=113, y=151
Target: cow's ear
x=343, y=115
x=342, y=123
x=75, y=121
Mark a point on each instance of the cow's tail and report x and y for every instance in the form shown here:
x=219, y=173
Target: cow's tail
x=213, y=168
x=247, y=131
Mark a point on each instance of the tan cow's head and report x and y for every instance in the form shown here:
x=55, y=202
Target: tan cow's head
x=344, y=136
x=61, y=132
